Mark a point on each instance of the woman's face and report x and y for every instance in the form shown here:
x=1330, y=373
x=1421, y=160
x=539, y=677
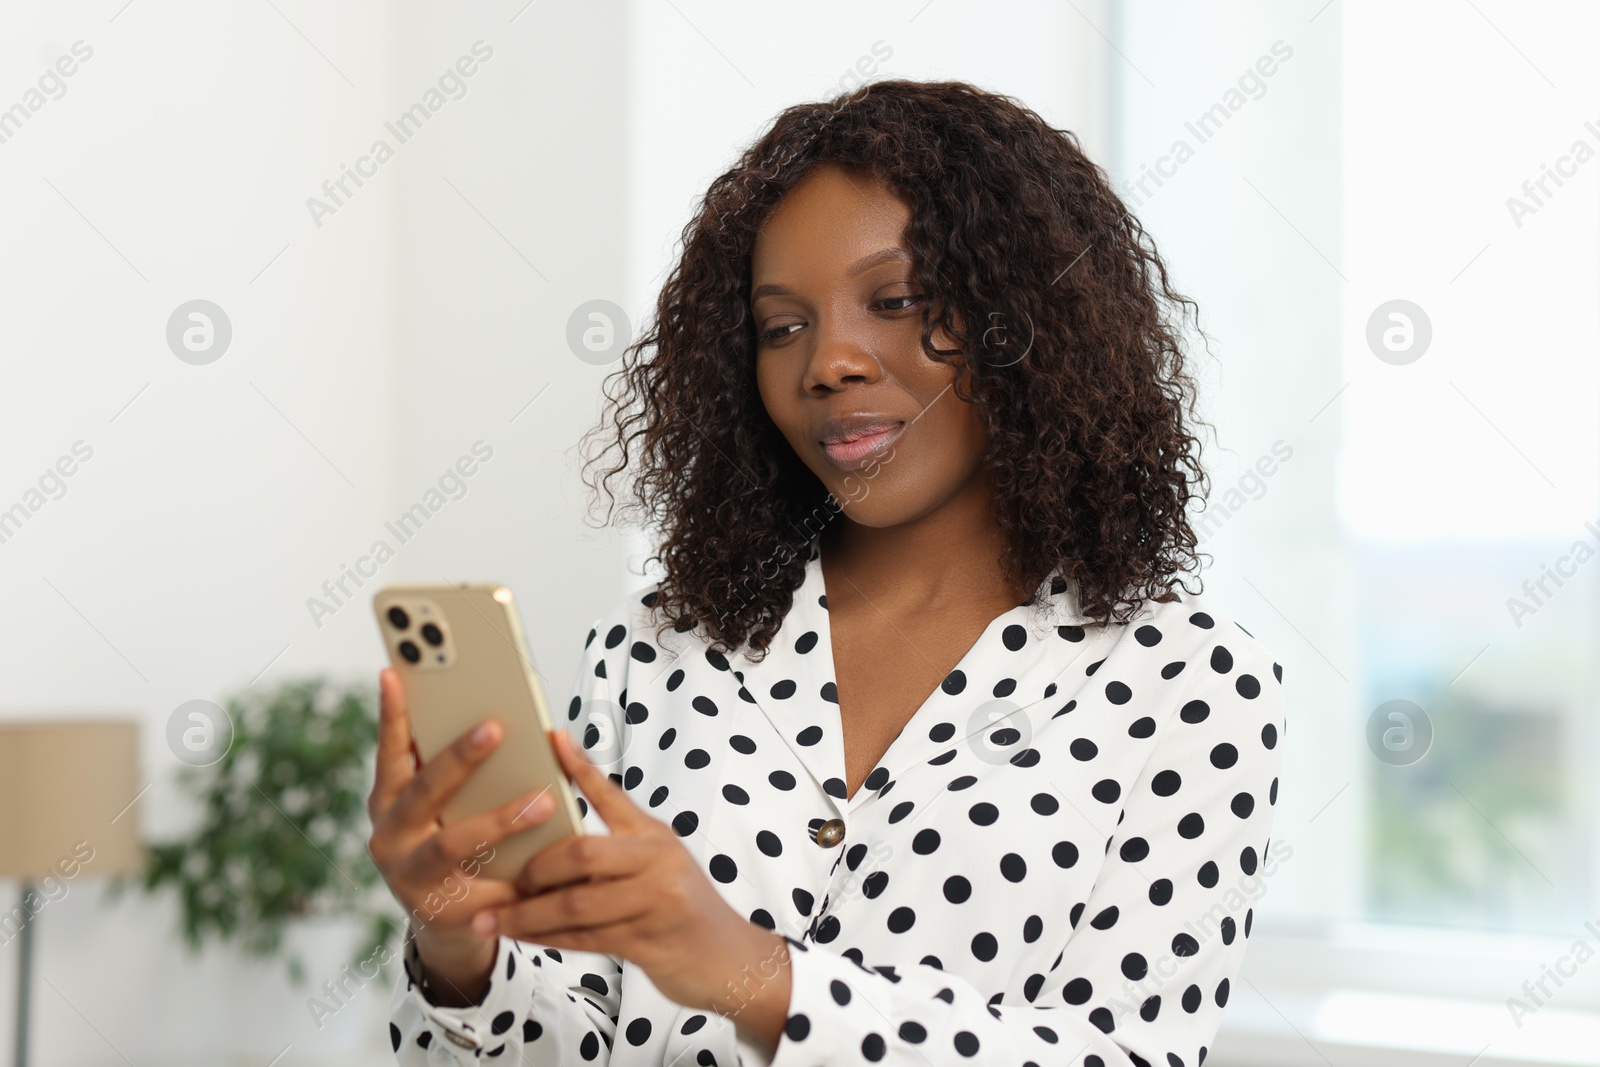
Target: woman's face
x=839, y=358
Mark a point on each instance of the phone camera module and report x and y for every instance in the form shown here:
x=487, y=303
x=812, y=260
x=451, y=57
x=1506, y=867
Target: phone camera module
x=432, y=634
x=410, y=651
x=398, y=618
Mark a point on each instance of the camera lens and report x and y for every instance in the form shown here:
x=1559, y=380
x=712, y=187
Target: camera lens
x=432, y=634
x=410, y=651
x=398, y=618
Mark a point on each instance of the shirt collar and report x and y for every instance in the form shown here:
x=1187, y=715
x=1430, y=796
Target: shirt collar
x=1032, y=648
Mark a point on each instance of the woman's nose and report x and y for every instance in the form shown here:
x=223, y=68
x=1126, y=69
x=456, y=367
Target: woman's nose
x=841, y=356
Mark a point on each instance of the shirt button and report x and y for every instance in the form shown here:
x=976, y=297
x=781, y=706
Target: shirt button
x=830, y=833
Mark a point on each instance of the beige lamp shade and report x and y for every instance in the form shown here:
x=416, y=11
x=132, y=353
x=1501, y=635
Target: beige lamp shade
x=67, y=792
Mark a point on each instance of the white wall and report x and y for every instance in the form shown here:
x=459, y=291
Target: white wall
x=179, y=562
x=1250, y=227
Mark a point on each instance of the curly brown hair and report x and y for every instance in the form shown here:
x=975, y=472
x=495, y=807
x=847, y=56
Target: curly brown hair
x=1010, y=225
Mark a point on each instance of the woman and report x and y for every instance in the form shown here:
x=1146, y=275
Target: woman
x=915, y=755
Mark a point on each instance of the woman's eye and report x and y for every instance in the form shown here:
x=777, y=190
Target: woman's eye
x=900, y=303
x=777, y=333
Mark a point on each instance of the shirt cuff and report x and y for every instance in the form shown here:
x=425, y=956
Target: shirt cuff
x=473, y=1026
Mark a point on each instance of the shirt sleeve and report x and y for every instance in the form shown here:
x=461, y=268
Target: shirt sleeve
x=1145, y=974
x=544, y=1007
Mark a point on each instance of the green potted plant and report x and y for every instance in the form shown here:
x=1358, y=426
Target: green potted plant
x=283, y=836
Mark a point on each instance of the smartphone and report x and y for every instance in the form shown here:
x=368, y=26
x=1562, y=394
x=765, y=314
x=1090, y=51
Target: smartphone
x=459, y=650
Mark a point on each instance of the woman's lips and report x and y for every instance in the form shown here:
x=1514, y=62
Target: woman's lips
x=863, y=447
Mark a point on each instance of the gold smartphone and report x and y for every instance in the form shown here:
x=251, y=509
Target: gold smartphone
x=459, y=650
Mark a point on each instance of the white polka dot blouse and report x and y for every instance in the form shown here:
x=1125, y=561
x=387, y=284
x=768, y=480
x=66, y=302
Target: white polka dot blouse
x=1054, y=863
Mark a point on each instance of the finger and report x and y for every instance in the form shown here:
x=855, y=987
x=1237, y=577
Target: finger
x=580, y=857
x=615, y=808
x=440, y=777
x=461, y=840
x=395, y=767
x=582, y=906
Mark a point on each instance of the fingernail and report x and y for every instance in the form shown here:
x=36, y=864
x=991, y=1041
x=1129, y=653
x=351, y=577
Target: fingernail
x=483, y=923
x=482, y=735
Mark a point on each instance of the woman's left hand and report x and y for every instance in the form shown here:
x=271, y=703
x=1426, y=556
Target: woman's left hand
x=639, y=894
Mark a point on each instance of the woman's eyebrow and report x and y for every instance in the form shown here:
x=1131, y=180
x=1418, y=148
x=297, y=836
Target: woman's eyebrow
x=860, y=266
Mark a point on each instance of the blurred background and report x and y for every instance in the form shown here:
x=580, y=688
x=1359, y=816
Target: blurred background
x=241, y=341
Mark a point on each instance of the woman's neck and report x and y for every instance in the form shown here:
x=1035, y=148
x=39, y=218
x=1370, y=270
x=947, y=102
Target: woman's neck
x=951, y=554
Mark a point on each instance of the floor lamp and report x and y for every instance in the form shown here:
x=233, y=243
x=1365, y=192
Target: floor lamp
x=67, y=814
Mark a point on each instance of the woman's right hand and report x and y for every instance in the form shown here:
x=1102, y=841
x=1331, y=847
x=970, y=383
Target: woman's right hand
x=434, y=870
